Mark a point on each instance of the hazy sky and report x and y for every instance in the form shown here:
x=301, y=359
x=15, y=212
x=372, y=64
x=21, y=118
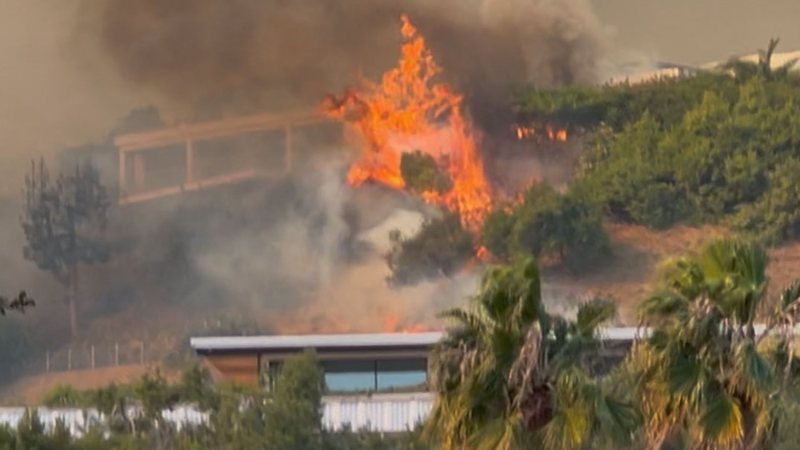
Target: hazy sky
x=698, y=31
x=50, y=96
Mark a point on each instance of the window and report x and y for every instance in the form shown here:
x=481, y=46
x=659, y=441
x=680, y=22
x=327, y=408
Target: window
x=349, y=376
x=401, y=374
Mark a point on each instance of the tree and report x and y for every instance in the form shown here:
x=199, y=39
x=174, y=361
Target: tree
x=508, y=375
x=421, y=174
x=19, y=303
x=745, y=70
x=440, y=248
x=704, y=376
x=155, y=395
x=294, y=418
x=63, y=223
x=548, y=224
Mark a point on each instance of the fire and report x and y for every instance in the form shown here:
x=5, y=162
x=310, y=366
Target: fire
x=552, y=133
x=524, y=132
x=391, y=324
x=411, y=110
x=556, y=134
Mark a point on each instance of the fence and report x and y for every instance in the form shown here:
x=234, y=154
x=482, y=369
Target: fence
x=378, y=412
x=95, y=356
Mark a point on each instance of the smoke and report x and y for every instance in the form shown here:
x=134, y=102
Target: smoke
x=303, y=247
x=209, y=57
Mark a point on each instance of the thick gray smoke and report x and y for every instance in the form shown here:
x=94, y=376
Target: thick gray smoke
x=305, y=246
x=210, y=57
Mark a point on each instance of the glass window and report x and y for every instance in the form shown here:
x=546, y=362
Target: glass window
x=349, y=376
x=401, y=374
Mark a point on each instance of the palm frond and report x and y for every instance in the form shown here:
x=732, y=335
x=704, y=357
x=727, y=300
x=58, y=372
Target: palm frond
x=684, y=371
x=721, y=423
x=663, y=305
x=592, y=314
x=752, y=370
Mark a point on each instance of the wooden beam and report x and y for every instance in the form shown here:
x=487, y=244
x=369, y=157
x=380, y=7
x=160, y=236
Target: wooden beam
x=152, y=140
x=191, y=186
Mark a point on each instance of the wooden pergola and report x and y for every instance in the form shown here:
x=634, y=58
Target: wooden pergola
x=133, y=148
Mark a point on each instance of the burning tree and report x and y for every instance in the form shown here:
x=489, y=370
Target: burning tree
x=63, y=223
x=421, y=174
x=412, y=108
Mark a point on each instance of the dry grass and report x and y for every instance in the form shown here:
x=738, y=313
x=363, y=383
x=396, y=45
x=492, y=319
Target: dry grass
x=28, y=391
x=638, y=253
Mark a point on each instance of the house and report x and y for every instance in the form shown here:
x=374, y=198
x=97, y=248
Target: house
x=385, y=362
x=351, y=363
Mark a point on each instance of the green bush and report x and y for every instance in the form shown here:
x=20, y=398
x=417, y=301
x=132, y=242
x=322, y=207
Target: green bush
x=441, y=247
x=66, y=396
x=729, y=155
x=547, y=223
x=421, y=173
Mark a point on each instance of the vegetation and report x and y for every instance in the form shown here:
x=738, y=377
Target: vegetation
x=546, y=223
x=705, y=377
x=440, y=248
x=63, y=223
x=287, y=418
x=709, y=148
x=421, y=173
x=509, y=375
x=18, y=304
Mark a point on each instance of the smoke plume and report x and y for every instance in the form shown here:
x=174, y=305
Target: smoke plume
x=210, y=57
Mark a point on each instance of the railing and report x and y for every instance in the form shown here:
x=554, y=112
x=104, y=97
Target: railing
x=185, y=144
x=96, y=356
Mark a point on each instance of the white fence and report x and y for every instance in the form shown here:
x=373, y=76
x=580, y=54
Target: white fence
x=80, y=420
x=379, y=412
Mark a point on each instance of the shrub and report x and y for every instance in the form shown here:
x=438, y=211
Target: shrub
x=547, y=223
x=421, y=174
x=441, y=247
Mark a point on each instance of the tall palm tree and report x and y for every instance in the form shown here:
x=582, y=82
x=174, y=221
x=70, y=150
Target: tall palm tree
x=746, y=70
x=704, y=377
x=509, y=375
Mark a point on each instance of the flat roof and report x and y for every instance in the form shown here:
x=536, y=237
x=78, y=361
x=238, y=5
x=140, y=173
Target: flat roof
x=357, y=341
x=316, y=341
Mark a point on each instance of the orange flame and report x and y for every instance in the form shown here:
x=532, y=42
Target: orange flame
x=391, y=324
x=524, y=132
x=408, y=111
x=553, y=134
x=556, y=134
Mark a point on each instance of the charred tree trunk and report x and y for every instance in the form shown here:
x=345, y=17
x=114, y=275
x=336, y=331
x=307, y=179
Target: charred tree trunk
x=72, y=298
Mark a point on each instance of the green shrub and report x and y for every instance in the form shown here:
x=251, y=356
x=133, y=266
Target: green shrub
x=440, y=248
x=546, y=223
x=421, y=173
x=66, y=396
x=730, y=155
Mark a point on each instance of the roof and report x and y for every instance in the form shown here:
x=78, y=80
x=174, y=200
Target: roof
x=316, y=341
x=355, y=341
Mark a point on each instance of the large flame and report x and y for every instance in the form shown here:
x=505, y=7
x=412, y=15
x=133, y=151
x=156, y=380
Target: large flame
x=411, y=111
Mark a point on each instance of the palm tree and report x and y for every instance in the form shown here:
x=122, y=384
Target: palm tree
x=704, y=377
x=745, y=70
x=508, y=375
